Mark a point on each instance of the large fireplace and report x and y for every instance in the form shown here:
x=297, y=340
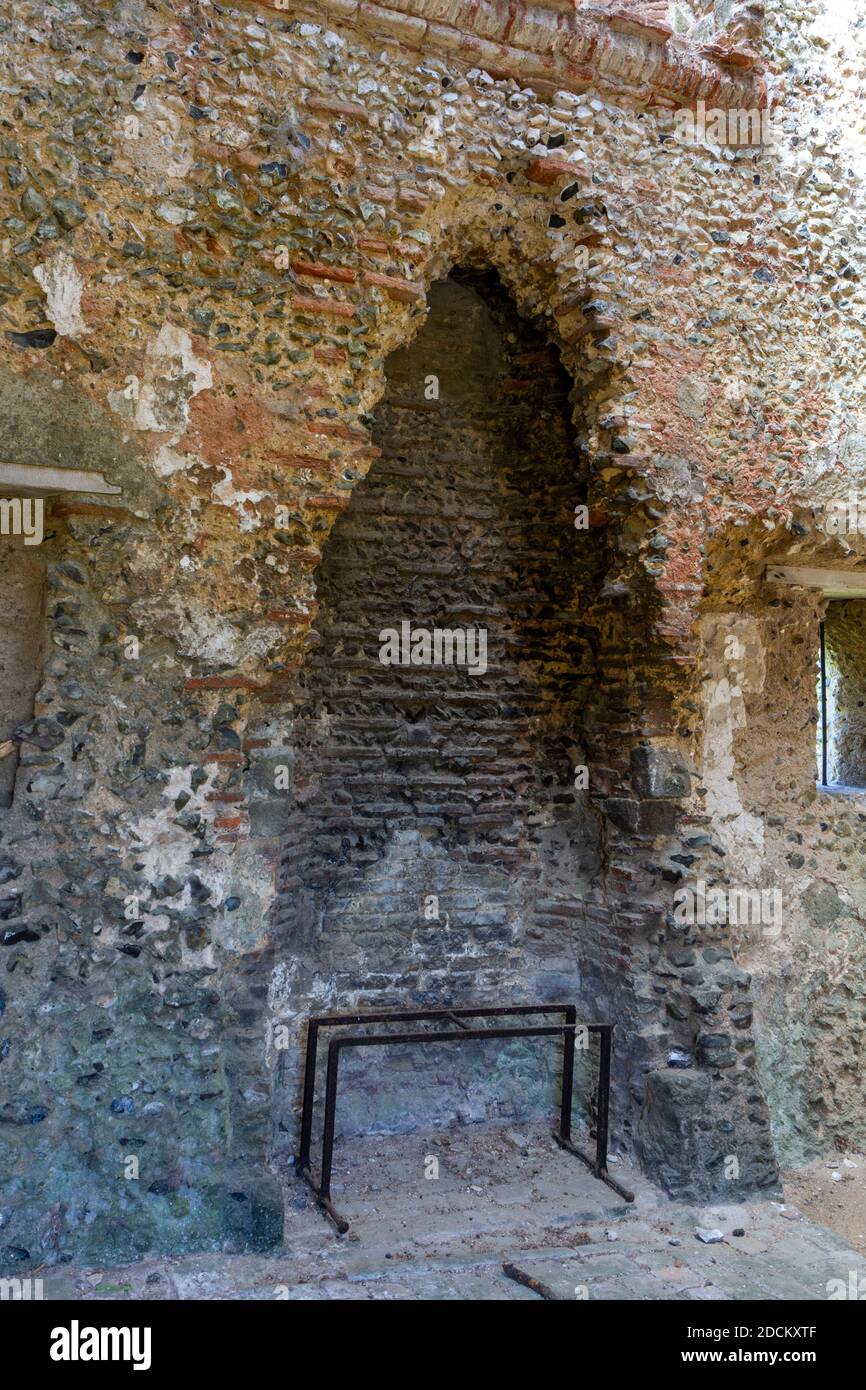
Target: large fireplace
x=442, y=848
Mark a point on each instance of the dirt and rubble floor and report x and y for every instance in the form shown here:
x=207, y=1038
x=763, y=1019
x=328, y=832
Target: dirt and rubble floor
x=832, y=1191
x=508, y=1197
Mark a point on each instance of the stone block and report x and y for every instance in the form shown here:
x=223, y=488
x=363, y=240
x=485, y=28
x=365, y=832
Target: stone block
x=659, y=772
x=669, y=1136
x=268, y=818
x=624, y=812
x=266, y=770
x=657, y=818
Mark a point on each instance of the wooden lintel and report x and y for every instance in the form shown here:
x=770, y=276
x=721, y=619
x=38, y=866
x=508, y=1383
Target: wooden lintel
x=27, y=477
x=830, y=583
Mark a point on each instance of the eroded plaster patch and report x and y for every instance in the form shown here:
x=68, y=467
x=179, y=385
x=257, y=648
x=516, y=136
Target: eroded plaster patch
x=63, y=286
x=225, y=493
x=172, y=376
x=167, y=461
x=204, y=634
x=162, y=850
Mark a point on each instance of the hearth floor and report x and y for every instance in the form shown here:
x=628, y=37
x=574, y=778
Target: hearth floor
x=501, y=1197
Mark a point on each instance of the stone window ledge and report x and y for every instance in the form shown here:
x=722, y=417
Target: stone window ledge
x=838, y=789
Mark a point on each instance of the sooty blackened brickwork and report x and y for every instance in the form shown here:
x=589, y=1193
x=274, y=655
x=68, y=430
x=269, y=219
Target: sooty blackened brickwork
x=439, y=852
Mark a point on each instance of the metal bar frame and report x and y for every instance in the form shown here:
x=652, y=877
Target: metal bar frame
x=459, y=1033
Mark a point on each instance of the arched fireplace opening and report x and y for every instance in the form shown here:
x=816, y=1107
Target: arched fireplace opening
x=441, y=848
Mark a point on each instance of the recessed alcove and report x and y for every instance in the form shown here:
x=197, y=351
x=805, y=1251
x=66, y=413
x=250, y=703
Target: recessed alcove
x=441, y=848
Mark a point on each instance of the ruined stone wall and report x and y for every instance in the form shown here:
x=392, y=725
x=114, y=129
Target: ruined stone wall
x=217, y=225
x=774, y=829
x=758, y=714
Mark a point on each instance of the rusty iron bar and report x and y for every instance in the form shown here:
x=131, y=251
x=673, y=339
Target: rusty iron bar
x=520, y=1276
x=598, y=1165
x=601, y=1173
x=455, y=1016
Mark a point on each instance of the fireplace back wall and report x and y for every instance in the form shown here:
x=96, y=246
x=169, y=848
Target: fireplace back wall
x=438, y=851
